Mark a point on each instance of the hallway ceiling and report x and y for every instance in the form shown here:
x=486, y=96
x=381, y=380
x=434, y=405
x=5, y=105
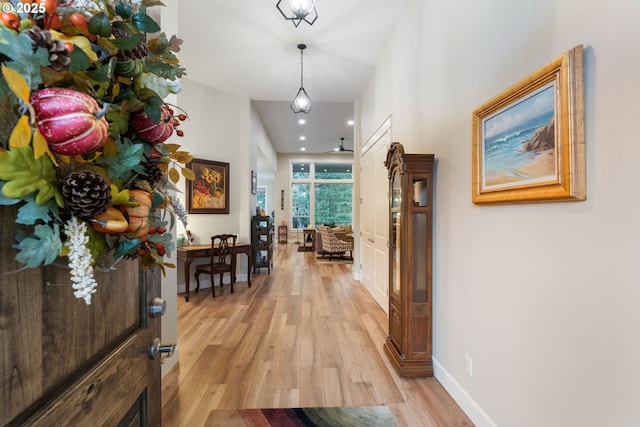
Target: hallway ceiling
x=247, y=48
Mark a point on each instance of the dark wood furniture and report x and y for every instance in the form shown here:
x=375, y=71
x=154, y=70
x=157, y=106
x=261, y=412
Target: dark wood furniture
x=309, y=236
x=283, y=234
x=221, y=260
x=262, y=241
x=408, y=345
x=187, y=254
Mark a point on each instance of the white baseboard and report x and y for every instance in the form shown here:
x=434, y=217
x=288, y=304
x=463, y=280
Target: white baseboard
x=462, y=398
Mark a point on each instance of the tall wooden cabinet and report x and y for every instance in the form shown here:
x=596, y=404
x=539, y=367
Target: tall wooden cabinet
x=408, y=345
x=262, y=242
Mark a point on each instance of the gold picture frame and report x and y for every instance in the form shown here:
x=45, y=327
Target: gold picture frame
x=528, y=142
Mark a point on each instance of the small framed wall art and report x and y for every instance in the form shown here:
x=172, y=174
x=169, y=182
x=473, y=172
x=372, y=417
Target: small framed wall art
x=254, y=182
x=528, y=142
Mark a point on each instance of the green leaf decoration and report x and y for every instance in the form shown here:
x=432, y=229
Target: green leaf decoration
x=31, y=212
x=126, y=163
x=145, y=23
x=164, y=69
x=103, y=72
x=127, y=43
x=118, y=122
x=42, y=247
x=24, y=60
x=99, y=25
x=97, y=243
x=7, y=201
x=123, y=10
x=152, y=108
x=127, y=246
x=121, y=198
x=25, y=174
x=79, y=61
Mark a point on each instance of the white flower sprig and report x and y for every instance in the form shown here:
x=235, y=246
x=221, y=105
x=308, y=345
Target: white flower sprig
x=80, y=259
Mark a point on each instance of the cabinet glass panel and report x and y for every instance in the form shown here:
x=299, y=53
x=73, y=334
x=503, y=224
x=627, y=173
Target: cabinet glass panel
x=395, y=252
x=420, y=192
x=419, y=264
x=396, y=232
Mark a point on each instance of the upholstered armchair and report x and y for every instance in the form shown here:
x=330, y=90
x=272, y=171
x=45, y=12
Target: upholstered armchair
x=333, y=243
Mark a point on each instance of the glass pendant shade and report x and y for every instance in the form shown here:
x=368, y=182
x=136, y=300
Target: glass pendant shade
x=301, y=103
x=299, y=10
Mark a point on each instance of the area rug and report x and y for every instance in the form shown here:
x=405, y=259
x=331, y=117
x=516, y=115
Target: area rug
x=350, y=416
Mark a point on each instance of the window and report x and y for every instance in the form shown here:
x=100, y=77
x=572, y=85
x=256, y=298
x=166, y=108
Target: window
x=322, y=193
x=301, y=205
x=262, y=197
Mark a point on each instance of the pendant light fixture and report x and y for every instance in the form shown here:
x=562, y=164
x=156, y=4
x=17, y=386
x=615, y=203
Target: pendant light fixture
x=300, y=10
x=301, y=103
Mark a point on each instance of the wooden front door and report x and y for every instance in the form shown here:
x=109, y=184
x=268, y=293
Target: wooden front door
x=63, y=362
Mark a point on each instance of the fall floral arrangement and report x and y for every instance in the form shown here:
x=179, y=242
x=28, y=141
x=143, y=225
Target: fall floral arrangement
x=83, y=131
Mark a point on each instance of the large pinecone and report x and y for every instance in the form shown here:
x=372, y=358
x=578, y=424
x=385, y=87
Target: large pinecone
x=153, y=172
x=138, y=52
x=86, y=194
x=59, y=56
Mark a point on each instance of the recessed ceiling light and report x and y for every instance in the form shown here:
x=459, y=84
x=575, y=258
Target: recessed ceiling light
x=303, y=138
x=336, y=149
x=302, y=121
x=303, y=149
x=325, y=170
x=350, y=122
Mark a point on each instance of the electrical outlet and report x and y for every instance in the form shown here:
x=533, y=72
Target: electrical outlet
x=468, y=365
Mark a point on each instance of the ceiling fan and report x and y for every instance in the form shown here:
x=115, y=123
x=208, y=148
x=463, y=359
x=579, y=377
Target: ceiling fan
x=340, y=148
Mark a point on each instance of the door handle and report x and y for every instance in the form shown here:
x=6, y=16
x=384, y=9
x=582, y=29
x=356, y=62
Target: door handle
x=157, y=349
x=158, y=307
x=371, y=240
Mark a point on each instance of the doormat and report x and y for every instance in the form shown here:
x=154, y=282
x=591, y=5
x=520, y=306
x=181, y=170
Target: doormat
x=352, y=416
x=305, y=249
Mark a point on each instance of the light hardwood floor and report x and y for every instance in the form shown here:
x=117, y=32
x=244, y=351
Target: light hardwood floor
x=305, y=335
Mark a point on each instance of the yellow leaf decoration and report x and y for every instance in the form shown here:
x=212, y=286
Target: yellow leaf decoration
x=40, y=145
x=188, y=174
x=174, y=176
x=17, y=83
x=21, y=134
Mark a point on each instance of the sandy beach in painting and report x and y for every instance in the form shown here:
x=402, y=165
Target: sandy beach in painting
x=542, y=164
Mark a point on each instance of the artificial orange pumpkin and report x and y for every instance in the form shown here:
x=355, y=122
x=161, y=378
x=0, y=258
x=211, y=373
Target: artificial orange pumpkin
x=109, y=221
x=138, y=217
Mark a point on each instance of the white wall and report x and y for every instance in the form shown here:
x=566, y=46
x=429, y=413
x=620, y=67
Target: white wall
x=543, y=297
x=218, y=129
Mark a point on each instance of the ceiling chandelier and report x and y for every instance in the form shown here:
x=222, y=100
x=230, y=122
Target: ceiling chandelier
x=301, y=103
x=300, y=10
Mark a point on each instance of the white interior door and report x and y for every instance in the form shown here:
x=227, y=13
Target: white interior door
x=374, y=213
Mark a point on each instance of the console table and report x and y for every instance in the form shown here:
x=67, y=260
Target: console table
x=187, y=254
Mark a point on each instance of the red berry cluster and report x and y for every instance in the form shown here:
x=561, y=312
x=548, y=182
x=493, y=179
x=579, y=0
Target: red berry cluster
x=160, y=248
x=176, y=119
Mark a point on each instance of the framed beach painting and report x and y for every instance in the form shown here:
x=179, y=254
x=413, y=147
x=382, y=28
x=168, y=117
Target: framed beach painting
x=208, y=193
x=528, y=142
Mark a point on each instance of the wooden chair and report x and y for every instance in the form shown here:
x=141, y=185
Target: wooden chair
x=222, y=260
